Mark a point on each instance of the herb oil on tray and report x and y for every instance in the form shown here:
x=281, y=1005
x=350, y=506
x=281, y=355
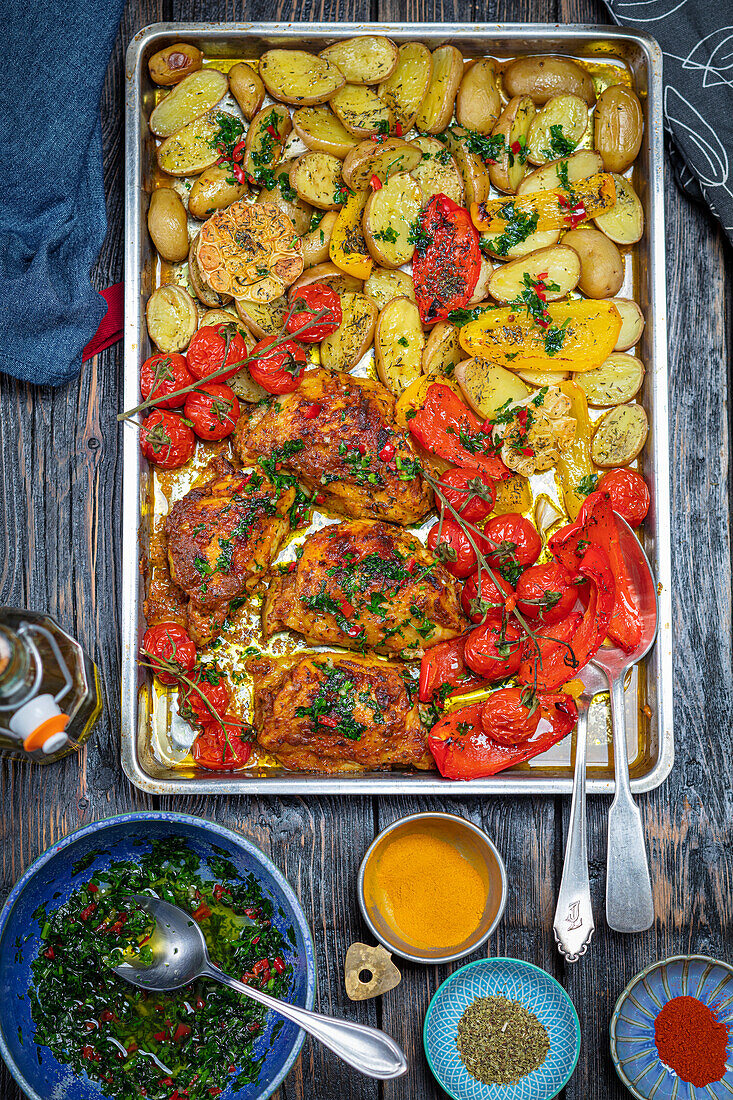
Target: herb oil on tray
x=500, y=1041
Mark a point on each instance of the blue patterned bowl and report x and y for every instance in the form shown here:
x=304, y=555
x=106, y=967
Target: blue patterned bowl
x=633, y=1049
x=50, y=880
x=519, y=981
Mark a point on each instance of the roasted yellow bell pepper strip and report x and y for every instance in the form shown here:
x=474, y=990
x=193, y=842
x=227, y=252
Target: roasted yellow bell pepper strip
x=575, y=466
x=556, y=209
x=348, y=248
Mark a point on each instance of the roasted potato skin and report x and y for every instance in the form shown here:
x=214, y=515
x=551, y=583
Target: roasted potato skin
x=578, y=166
x=391, y=211
x=360, y=110
x=615, y=382
x=247, y=88
x=623, y=222
x=404, y=89
x=167, y=224
x=213, y=190
x=472, y=168
x=437, y=172
x=632, y=324
x=319, y=129
x=172, y=318
x=601, y=263
x=487, y=386
x=367, y=59
x=332, y=276
x=378, y=158
x=436, y=109
x=568, y=111
x=383, y=285
x=194, y=96
x=560, y=262
x=316, y=177
x=543, y=77
x=281, y=72
x=353, y=338
x=316, y=241
x=513, y=123
x=619, y=127
x=286, y=199
x=169, y=66
x=478, y=104
x=398, y=345
x=619, y=436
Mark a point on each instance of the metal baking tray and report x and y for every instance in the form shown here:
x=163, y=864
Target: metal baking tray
x=649, y=697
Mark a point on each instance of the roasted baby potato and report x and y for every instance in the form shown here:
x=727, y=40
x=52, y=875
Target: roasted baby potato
x=364, y=60
x=318, y=128
x=540, y=378
x=389, y=215
x=472, y=168
x=513, y=126
x=619, y=436
x=615, y=382
x=624, y=222
x=286, y=198
x=404, y=89
x=263, y=318
x=213, y=190
x=540, y=238
x=194, y=96
x=332, y=276
x=192, y=149
x=383, y=285
x=557, y=128
x=632, y=324
x=316, y=241
x=601, y=263
x=561, y=263
x=478, y=104
x=169, y=66
x=247, y=88
x=442, y=352
x=353, y=338
x=317, y=179
x=361, y=110
x=201, y=289
x=262, y=150
x=224, y=317
x=294, y=76
x=378, y=158
x=545, y=77
x=618, y=127
x=559, y=173
x=348, y=248
x=437, y=172
x=481, y=290
x=436, y=109
x=167, y=224
x=172, y=318
x=487, y=387
x=398, y=345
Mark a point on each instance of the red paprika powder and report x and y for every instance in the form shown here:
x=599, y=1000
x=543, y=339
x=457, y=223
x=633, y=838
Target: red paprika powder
x=691, y=1041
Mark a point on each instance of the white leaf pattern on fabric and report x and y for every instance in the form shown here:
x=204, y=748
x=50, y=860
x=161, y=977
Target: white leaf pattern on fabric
x=712, y=162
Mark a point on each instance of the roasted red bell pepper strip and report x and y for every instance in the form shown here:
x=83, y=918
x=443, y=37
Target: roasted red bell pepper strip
x=596, y=524
x=443, y=664
x=447, y=260
x=462, y=750
x=446, y=427
x=554, y=656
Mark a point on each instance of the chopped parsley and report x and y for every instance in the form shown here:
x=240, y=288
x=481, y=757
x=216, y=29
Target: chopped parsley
x=419, y=237
x=520, y=226
x=587, y=484
x=332, y=710
x=560, y=146
x=389, y=234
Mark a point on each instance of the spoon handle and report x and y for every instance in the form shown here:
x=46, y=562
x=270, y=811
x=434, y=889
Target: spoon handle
x=573, y=925
x=629, y=902
x=366, y=1049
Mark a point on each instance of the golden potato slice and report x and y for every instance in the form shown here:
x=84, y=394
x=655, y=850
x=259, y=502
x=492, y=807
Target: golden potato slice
x=540, y=378
x=473, y=170
x=601, y=263
x=225, y=317
x=486, y=387
x=200, y=287
x=263, y=318
x=478, y=104
x=363, y=60
x=304, y=79
x=383, y=286
x=539, y=238
x=266, y=136
x=398, y=345
x=191, y=149
x=194, y=96
x=437, y=172
x=624, y=222
x=353, y=338
x=481, y=290
x=318, y=128
x=632, y=324
x=317, y=240
x=559, y=265
x=348, y=248
x=618, y=127
x=169, y=66
x=332, y=276
x=619, y=436
x=378, y=158
x=542, y=78
x=361, y=111
x=557, y=128
x=615, y=382
x=389, y=215
x=250, y=251
x=244, y=385
x=442, y=352
x=404, y=89
x=247, y=88
x=561, y=173
x=317, y=179
x=168, y=225
x=436, y=109
x=213, y=190
x=287, y=199
x=513, y=126
x=172, y=318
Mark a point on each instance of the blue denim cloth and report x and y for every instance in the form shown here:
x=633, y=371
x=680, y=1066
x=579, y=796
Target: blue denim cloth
x=52, y=208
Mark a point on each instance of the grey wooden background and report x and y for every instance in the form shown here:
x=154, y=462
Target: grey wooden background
x=61, y=539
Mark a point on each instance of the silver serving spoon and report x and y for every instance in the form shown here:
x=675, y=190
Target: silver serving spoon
x=629, y=902
x=180, y=956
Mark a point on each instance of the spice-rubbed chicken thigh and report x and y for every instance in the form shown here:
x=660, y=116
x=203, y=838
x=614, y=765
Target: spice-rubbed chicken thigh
x=366, y=585
x=222, y=537
x=333, y=712
x=338, y=435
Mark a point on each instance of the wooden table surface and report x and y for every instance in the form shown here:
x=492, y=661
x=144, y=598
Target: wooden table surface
x=61, y=529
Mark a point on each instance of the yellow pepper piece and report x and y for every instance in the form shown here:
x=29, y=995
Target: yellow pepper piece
x=348, y=248
x=575, y=464
x=556, y=209
x=513, y=495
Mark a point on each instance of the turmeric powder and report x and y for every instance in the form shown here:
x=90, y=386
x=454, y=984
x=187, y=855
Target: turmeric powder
x=429, y=893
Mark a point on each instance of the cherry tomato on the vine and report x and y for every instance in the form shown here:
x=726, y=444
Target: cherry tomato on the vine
x=165, y=440
x=546, y=592
x=629, y=494
x=213, y=410
x=169, y=642
x=308, y=301
x=492, y=597
x=163, y=374
x=511, y=715
x=278, y=370
x=222, y=747
x=471, y=492
x=213, y=347
x=452, y=547
x=514, y=539
x=210, y=684
x=494, y=649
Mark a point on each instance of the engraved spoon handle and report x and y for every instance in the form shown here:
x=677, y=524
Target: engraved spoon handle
x=573, y=925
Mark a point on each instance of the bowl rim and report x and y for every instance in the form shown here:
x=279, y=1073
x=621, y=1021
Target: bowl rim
x=173, y=817
x=638, y=977
x=490, y=962
x=438, y=960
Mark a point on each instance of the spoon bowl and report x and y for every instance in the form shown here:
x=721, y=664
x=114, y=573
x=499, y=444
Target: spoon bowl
x=178, y=945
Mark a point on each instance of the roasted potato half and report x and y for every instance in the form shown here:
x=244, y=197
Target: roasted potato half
x=404, y=89
x=319, y=129
x=379, y=158
x=192, y=149
x=213, y=190
x=348, y=248
x=540, y=378
x=398, y=345
x=540, y=238
x=624, y=222
x=286, y=198
x=481, y=290
x=632, y=324
x=317, y=240
x=171, y=65
x=557, y=128
x=389, y=215
x=619, y=436
x=367, y=59
x=298, y=77
x=200, y=287
x=487, y=387
x=617, y=381
x=562, y=265
x=476, y=180
x=478, y=104
x=361, y=111
x=545, y=77
x=437, y=172
x=263, y=318
x=601, y=263
x=329, y=274
x=194, y=96
x=513, y=126
x=618, y=127
x=317, y=179
x=247, y=88
x=384, y=285
x=172, y=318
x=262, y=150
x=436, y=109
x=353, y=338
x=224, y=317
x=168, y=225
x=442, y=352
x=560, y=173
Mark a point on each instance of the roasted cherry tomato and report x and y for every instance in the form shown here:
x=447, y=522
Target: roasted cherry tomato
x=309, y=301
x=213, y=347
x=514, y=539
x=278, y=370
x=208, y=698
x=629, y=494
x=164, y=374
x=447, y=260
x=165, y=440
x=493, y=596
x=494, y=649
x=443, y=670
x=511, y=715
x=213, y=410
x=222, y=747
x=453, y=548
x=168, y=642
x=470, y=491
x=546, y=592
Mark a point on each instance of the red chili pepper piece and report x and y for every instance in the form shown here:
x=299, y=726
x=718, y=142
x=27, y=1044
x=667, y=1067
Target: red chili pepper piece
x=161, y=1037
x=445, y=271
x=387, y=452
x=310, y=412
x=202, y=913
x=375, y=183
x=49, y=953
x=86, y=913
x=346, y=609
x=218, y=891
x=92, y=888
x=446, y=427
x=182, y=1032
x=279, y=965
x=398, y=129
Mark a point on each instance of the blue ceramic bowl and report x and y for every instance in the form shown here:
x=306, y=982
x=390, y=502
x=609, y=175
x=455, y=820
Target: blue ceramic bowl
x=519, y=981
x=633, y=1049
x=50, y=880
